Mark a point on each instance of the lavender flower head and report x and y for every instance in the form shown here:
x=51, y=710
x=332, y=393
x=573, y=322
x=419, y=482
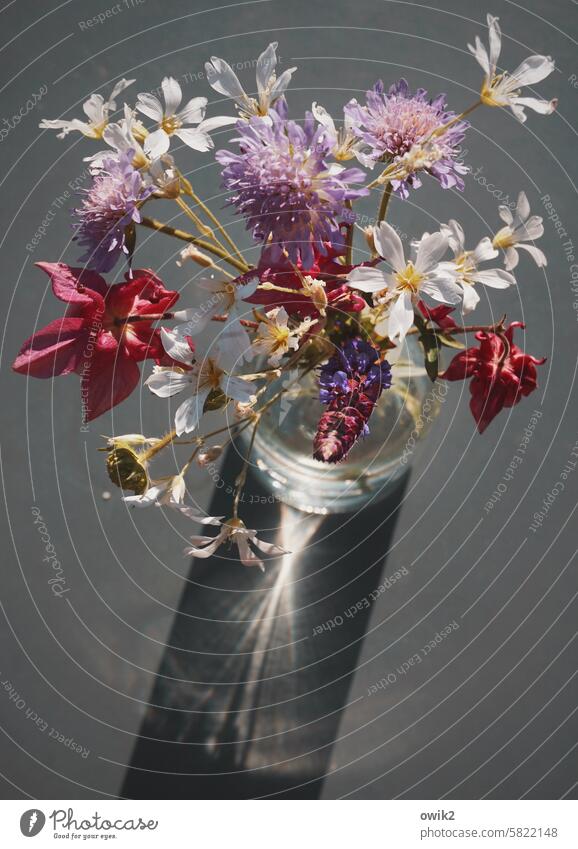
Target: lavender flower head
x=292, y=199
x=398, y=123
x=350, y=383
x=110, y=205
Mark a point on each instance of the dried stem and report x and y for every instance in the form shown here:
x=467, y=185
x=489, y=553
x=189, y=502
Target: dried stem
x=153, y=224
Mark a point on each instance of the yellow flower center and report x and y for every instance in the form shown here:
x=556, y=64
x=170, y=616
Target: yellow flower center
x=504, y=239
x=409, y=278
x=169, y=124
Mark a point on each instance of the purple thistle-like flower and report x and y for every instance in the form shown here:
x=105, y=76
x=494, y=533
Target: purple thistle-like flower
x=398, y=122
x=292, y=199
x=350, y=384
x=110, y=205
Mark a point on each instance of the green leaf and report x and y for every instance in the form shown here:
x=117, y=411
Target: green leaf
x=216, y=400
x=448, y=340
x=431, y=351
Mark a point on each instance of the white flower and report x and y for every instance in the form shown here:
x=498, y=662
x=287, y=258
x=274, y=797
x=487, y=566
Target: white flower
x=466, y=265
x=172, y=121
x=123, y=136
x=274, y=336
x=96, y=109
x=234, y=531
x=168, y=492
x=226, y=298
x=223, y=79
x=520, y=227
x=346, y=145
x=505, y=89
x=199, y=378
x=399, y=291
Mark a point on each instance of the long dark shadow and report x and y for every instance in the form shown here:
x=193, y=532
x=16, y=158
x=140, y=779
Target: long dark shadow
x=249, y=697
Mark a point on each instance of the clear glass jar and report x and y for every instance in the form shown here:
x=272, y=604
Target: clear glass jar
x=283, y=450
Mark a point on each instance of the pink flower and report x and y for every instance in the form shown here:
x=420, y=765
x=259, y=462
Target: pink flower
x=501, y=373
x=92, y=339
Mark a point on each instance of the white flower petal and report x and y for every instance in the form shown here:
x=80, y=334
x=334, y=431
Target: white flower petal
x=216, y=122
x=281, y=84
x=189, y=413
x=512, y=259
x=150, y=106
x=119, y=87
x=367, y=279
x=389, y=245
x=429, y=251
x=400, y=317
x=266, y=66
x=543, y=107
x=237, y=389
x=224, y=80
x=166, y=382
x=484, y=251
x=537, y=255
x=496, y=278
x=470, y=299
x=93, y=108
x=533, y=70
x=173, y=95
x=156, y=144
x=495, y=39
x=481, y=55
x=195, y=139
x=203, y=546
x=246, y=555
x=442, y=288
x=175, y=342
x=194, y=111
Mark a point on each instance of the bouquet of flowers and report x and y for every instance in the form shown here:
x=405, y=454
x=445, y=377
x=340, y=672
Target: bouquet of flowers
x=306, y=306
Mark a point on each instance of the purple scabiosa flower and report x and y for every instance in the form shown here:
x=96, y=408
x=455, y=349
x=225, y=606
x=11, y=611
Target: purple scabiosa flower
x=109, y=206
x=292, y=198
x=398, y=123
x=350, y=384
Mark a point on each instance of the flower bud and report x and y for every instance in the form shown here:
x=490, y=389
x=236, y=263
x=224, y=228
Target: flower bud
x=207, y=455
x=193, y=253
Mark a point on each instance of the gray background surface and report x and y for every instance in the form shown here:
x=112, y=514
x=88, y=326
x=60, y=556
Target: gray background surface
x=491, y=710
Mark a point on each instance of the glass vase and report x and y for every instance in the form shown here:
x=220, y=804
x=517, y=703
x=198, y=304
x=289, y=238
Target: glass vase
x=282, y=455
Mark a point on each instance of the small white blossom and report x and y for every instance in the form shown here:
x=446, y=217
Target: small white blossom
x=504, y=89
x=173, y=122
x=226, y=298
x=400, y=290
x=274, y=336
x=466, y=265
x=520, y=227
x=235, y=532
x=123, y=136
x=223, y=79
x=96, y=109
x=346, y=144
x=167, y=492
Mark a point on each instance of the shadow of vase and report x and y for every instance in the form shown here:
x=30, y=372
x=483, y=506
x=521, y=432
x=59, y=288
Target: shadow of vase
x=256, y=674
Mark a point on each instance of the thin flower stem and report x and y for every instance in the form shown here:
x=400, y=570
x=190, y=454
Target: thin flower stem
x=497, y=328
x=133, y=319
x=203, y=229
x=242, y=477
x=210, y=215
x=153, y=224
x=158, y=446
x=349, y=244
